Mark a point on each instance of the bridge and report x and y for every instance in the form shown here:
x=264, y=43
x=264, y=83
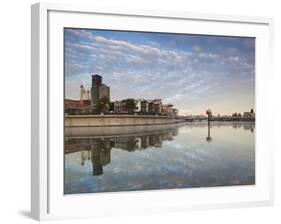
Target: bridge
x=197, y=118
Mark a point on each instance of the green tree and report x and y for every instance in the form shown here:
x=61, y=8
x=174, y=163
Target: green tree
x=102, y=104
x=130, y=105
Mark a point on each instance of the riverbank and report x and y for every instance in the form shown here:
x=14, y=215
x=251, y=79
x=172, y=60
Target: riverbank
x=116, y=120
x=124, y=131
x=241, y=119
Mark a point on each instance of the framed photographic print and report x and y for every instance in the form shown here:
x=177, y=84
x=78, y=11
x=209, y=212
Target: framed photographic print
x=148, y=111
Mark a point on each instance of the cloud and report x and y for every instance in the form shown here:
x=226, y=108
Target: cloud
x=197, y=48
x=176, y=68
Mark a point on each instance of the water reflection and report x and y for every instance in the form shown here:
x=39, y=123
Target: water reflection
x=209, y=138
x=98, y=149
x=182, y=159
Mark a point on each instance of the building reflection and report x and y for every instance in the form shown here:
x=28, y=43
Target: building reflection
x=246, y=125
x=98, y=149
x=100, y=155
x=85, y=155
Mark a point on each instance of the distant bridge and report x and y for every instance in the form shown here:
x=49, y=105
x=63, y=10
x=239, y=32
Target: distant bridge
x=191, y=119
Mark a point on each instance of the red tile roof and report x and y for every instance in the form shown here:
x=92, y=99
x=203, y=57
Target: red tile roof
x=76, y=104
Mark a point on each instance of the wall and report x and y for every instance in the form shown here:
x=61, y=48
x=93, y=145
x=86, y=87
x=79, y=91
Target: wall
x=124, y=131
x=15, y=111
x=114, y=120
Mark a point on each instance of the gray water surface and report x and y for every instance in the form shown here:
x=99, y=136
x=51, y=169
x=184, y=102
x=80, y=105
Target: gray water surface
x=154, y=157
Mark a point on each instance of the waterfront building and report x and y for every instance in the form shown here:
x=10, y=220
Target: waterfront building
x=111, y=107
x=154, y=107
x=151, y=107
x=96, y=83
x=148, y=106
x=157, y=106
x=77, y=106
x=248, y=115
x=118, y=106
x=144, y=106
x=167, y=109
x=98, y=90
x=104, y=90
x=138, y=105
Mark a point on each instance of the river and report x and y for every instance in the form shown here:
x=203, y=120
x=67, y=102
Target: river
x=184, y=155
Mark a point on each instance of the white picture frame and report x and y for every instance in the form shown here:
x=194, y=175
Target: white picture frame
x=47, y=201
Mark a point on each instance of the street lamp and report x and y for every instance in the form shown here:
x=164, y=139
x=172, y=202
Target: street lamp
x=209, y=113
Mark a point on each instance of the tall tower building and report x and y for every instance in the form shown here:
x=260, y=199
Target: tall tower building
x=98, y=90
x=96, y=84
x=104, y=90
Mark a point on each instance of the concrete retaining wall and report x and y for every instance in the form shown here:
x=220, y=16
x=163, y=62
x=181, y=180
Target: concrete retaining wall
x=115, y=120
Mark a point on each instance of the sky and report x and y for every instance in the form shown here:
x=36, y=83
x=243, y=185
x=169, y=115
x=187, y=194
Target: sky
x=192, y=72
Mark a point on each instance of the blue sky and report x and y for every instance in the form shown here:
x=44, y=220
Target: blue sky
x=193, y=72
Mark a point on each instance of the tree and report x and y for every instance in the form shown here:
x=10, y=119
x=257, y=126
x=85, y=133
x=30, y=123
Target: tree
x=130, y=105
x=102, y=104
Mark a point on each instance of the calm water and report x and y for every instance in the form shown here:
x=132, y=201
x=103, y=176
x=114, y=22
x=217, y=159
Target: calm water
x=159, y=157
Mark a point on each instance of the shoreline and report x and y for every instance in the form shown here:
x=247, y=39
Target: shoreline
x=138, y=120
